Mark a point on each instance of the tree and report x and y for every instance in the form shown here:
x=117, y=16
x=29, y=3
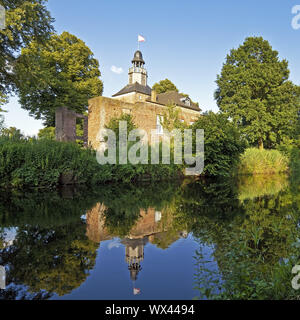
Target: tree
x=171, y=118
x=12, y=132
x=47, y=133
x=164, y=86
x=223, y=144
x=1, y=123
x=114, y=124
x=60, y=72
x=25, y=20
x=254, y=91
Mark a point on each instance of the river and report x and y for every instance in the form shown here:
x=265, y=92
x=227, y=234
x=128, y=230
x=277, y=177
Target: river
x=203, y=239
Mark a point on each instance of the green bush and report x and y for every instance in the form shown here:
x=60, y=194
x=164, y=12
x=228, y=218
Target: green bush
x=43, y=163
x=223, y=144
x=262, y=161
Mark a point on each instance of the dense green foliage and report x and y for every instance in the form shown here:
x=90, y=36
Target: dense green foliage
x=254, y=91
x=34, y=163
x=164, y=86
x=222, y=142
x=47, y=133
x=171, y=118
x=60, y=72
x=254, y=240
x=46, y=163
x=261, y=161
x=114, y=124
x=1, y=123
x=25, y=20
x=12, y=132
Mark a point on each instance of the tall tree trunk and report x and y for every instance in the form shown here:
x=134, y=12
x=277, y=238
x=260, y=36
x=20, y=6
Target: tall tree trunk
x=260, y=144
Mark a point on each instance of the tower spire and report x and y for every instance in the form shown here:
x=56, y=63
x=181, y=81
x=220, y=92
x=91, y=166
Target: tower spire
x=138, y=73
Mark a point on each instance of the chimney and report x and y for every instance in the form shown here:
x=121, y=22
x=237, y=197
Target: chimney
x=153, y=96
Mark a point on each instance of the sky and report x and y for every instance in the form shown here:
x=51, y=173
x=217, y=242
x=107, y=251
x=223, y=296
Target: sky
x=186, y=41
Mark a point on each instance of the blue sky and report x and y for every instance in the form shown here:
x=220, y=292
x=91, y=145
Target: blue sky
x=186, y=41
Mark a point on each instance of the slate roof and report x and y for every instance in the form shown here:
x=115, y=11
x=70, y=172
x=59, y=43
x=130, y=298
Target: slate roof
x=135, y=87
x=173, y=97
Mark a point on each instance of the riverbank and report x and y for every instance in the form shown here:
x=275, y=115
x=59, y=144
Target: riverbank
x=31, y=163
x=47, y=164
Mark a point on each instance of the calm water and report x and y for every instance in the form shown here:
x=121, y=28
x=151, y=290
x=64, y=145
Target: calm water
x=185, y=240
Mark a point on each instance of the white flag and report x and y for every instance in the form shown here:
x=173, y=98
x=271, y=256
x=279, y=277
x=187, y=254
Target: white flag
x=141, y=38
x=136, y=291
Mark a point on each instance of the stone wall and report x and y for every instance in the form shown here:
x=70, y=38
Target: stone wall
x=102, y=109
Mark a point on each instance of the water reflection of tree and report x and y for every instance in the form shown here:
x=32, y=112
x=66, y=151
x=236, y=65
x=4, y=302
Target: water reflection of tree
x=250, y=244
x=50, y=253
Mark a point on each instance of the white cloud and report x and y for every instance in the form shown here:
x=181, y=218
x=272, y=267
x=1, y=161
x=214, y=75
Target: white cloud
x=114, y=244
x=116, y=70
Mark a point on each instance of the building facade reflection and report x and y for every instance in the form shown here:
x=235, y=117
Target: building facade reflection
x=151, y=226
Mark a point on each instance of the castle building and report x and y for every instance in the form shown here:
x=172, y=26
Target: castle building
x=138, y=99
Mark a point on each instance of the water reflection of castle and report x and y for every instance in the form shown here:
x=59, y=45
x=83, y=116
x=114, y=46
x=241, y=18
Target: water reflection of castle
x=152, y=226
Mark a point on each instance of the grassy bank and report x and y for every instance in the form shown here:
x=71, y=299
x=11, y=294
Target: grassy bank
x=256, y=161
x=45, y=163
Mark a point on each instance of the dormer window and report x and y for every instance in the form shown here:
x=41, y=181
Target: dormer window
x=186, y=101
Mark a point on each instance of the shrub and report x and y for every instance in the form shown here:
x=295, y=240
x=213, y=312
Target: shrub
x=114, y=124
x=43, y=163
x=256, y=161
x=223, y=144
x=47, y=133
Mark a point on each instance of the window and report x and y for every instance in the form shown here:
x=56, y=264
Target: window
x=159, y=127
x=187, y=102
x=157, y=216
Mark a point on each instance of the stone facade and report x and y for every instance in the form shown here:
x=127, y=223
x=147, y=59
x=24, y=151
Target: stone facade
x=137, y=99
x=144, y=113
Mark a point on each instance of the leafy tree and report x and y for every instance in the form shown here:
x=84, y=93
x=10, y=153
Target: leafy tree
x=25, y=20
x=164, y=86
x=57, y=258
x=114, y=124
x=168, y=86
x=223, y=144
x=12, y=132
x=60, y=72
x=47, y=133
x=254, y=91
x=1, y=123
x=171, y=118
